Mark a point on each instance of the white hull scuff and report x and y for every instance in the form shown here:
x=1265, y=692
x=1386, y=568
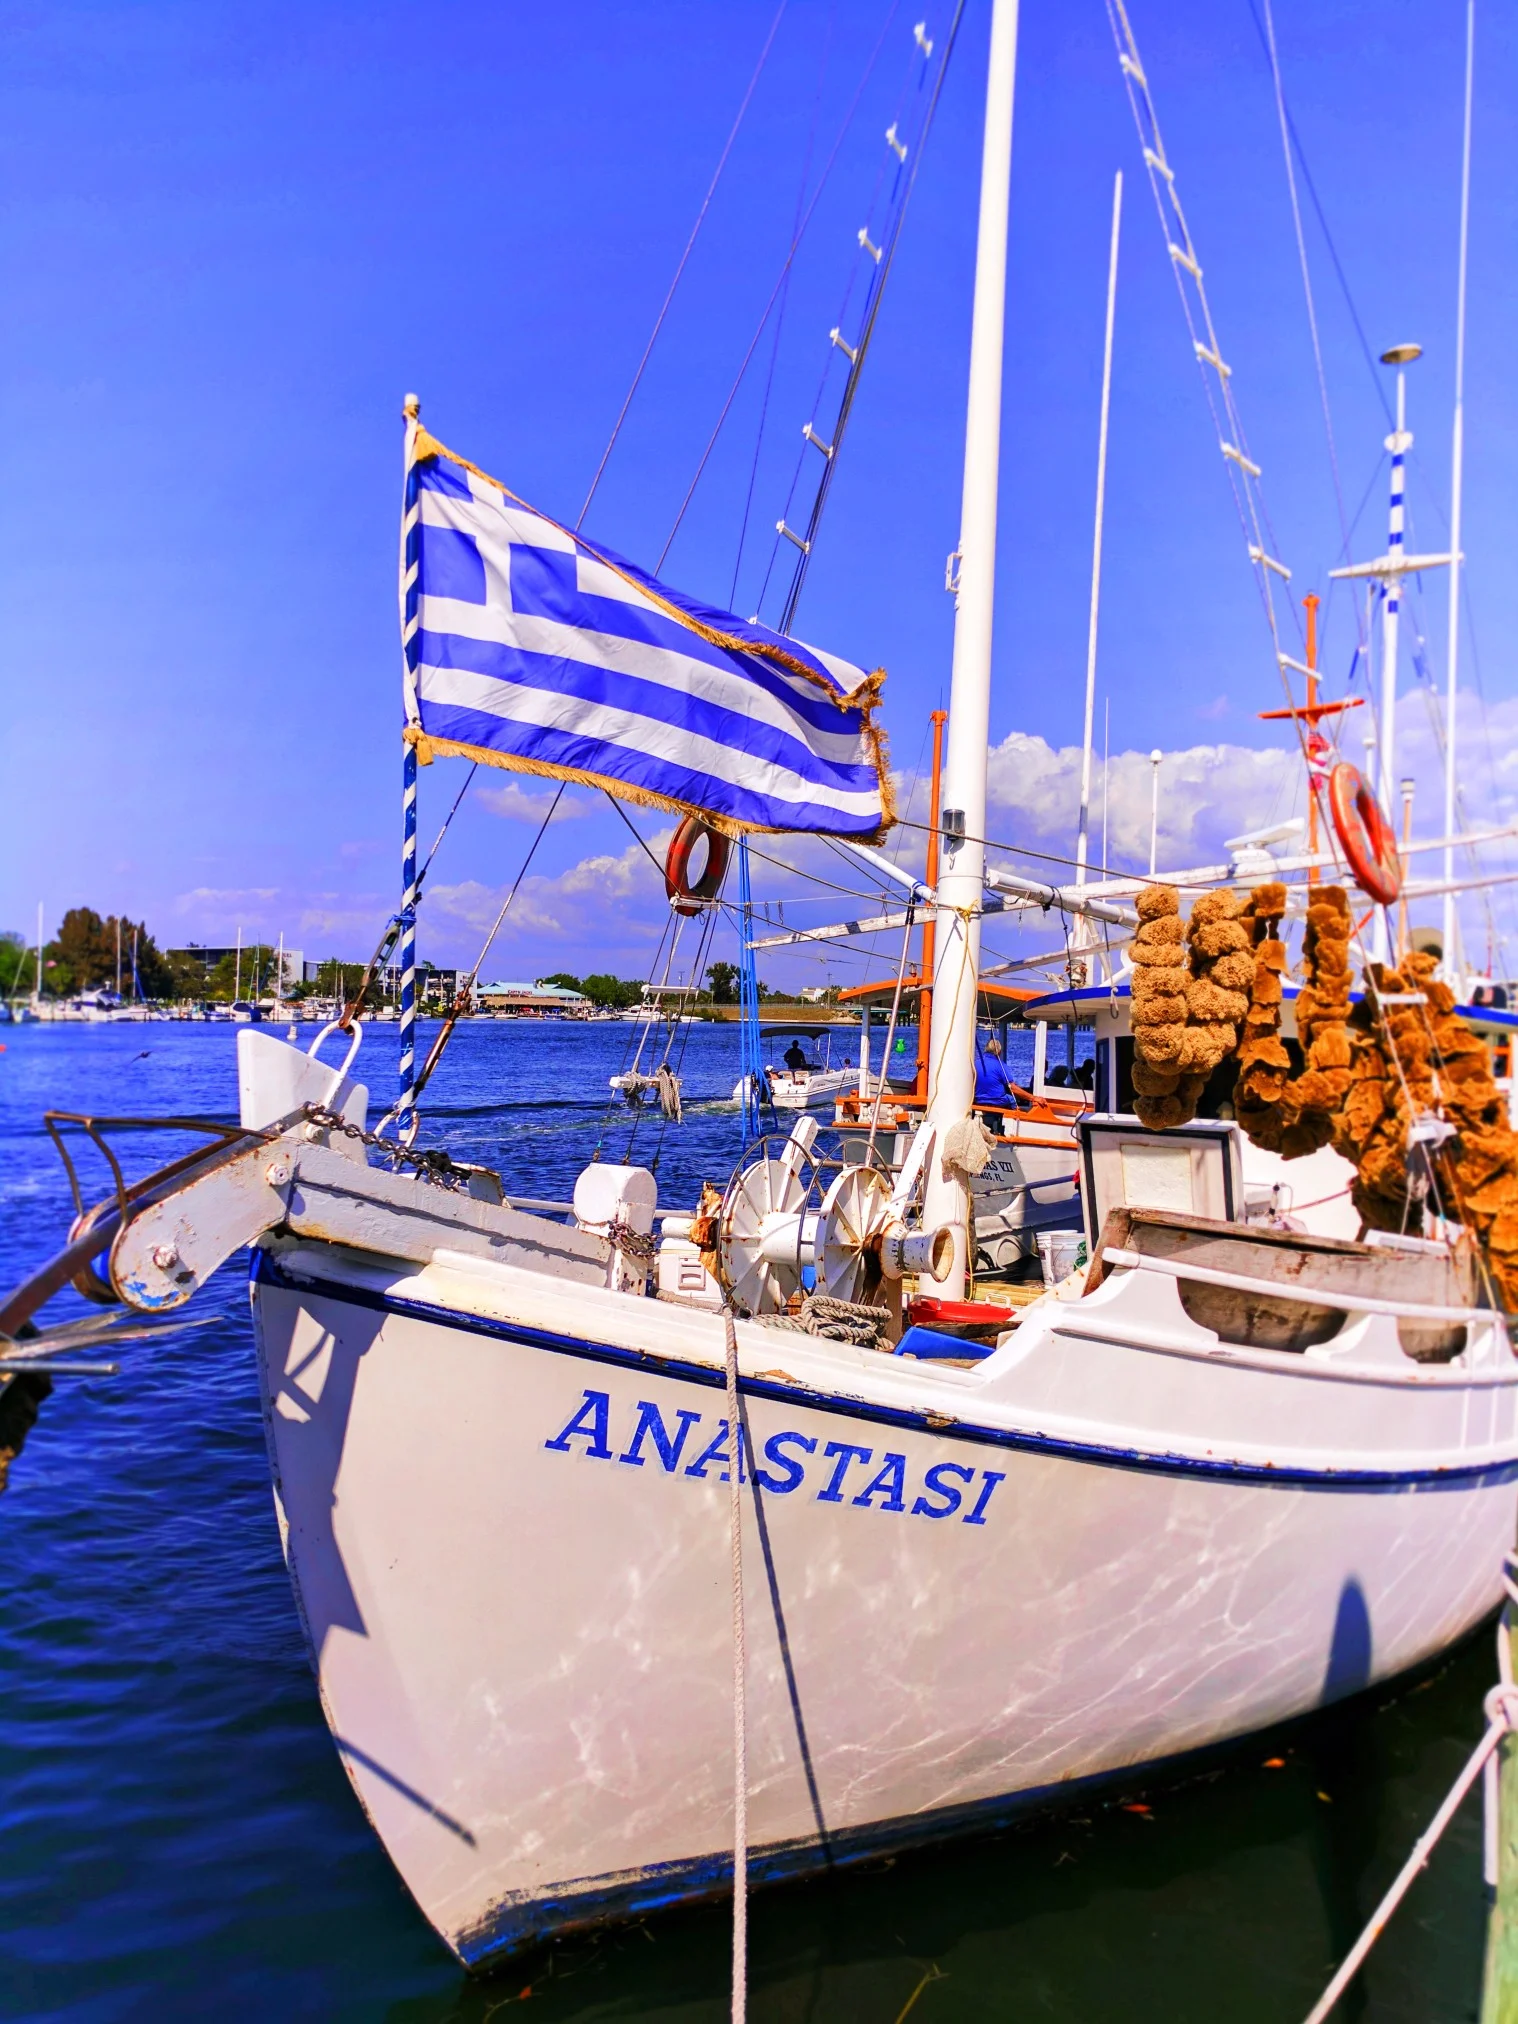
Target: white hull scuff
x=504, y=1506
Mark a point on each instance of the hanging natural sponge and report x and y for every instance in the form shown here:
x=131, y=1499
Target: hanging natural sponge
x=1187, y=1002
x=1151, y=1081
x=1155, y=901
x=1264, y=1064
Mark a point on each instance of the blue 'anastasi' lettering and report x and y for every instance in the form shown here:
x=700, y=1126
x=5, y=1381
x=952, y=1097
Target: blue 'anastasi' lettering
x=669, y=1446
x=595, y=1409
x=716, y=1451
x=992, y=1478
x=949, y=1489
x=795, y=1471
x=846, y=1453
x=934, y=1481
x=891, y=1482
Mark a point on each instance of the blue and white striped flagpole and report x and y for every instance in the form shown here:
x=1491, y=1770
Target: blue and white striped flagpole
x=1399, y=442
x=405, y=1114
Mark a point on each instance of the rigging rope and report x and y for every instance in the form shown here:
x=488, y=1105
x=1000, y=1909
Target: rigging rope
x=848, y=121
x=901, y=972
x=1217, y=375
x=740, y=1677
x=769, y=378
x=684, y=257
x=391, y=931
x=872, y=312
x=1378, y=380
x=1296, y=219
x=461, y=998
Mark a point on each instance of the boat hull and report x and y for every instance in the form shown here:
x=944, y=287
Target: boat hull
x=510, y=1551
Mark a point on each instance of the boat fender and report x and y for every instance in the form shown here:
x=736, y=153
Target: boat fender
x=688, y=896
x=1364, y=833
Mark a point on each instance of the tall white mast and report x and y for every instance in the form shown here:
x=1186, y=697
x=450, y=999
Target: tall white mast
x=1096, y=542
x=1457, y=461
x=951, y=1072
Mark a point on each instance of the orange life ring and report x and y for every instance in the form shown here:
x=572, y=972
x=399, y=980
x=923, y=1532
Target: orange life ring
x=1364, y=833
x=687, y=896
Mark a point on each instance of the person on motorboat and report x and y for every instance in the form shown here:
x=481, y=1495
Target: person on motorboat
x=795, y=1058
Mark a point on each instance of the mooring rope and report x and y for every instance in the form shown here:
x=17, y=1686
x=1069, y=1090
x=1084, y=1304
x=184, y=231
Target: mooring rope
x=740, y=1670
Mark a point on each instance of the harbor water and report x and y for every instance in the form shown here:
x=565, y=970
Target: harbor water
x=179, y=1839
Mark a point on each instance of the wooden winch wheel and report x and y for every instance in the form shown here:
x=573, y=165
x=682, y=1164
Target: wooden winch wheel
x=765, y=1188
x=854, y=1215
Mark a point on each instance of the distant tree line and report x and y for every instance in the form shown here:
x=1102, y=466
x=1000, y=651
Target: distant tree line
x=82, y=956
x=619, y=993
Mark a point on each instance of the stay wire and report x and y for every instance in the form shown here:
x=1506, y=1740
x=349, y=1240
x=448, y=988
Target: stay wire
x=684, y=257
x=1377, y=378
x=874, y=290
x=1296, y=219
x=769, y=378
x=463, y=996
x=848, y=122
x=392, y=929
x=872, y=314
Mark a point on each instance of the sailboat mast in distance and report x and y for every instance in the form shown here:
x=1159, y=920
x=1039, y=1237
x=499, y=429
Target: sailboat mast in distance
x=1082, y=841
x=951, y=1078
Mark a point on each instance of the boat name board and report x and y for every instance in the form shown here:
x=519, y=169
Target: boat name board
x=791, y=1461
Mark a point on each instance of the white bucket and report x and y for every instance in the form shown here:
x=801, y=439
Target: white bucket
x=1060, y=1252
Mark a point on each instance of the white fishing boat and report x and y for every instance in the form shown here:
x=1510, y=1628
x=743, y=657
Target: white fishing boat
x=1236, y=1468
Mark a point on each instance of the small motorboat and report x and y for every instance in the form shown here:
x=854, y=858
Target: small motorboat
x=805, y=1072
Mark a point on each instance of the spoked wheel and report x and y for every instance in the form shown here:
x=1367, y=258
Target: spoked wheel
x=757, y=1194
x=855, y=1212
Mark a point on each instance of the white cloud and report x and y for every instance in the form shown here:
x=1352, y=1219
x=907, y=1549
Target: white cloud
x=604, y=903
x=519, y=803
x=607, y=910
x=1206, y=793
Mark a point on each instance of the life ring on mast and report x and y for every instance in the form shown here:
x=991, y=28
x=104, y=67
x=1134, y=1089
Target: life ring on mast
x=1364, y=834
x=687, y=895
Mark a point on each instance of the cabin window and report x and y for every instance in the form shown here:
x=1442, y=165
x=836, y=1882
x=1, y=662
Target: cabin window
x=1069, y=1058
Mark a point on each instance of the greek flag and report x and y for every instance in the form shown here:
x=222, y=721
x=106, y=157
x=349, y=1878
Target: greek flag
x=526, y=647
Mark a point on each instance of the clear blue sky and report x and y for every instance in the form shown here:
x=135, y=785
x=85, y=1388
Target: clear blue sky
x=235, y=236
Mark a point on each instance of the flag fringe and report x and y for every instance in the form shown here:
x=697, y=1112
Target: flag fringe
x=429, y=748
x=865, y=697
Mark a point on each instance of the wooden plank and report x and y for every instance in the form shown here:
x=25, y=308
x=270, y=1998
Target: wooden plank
x=1499, y=1988
x=1324, y=1265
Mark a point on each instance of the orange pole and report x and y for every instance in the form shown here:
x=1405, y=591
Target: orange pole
x=1310, y=606
x=929, y=926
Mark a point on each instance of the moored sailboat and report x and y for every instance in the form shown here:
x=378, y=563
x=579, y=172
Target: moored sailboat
x=1231, y=1471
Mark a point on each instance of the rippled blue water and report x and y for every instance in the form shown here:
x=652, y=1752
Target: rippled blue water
x=177, y=1838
